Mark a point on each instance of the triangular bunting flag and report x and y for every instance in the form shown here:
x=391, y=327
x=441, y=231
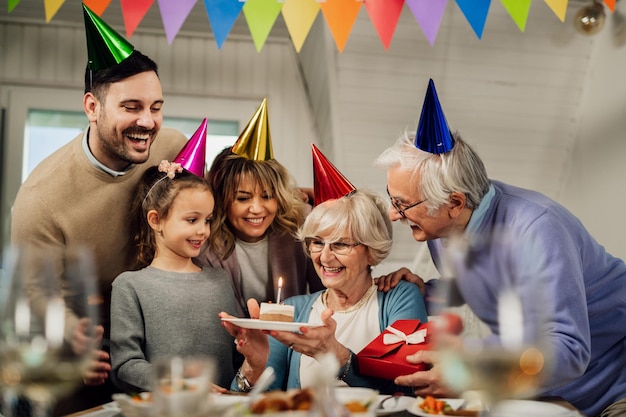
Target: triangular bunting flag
x=428, y=14
x=12, y=4
x=340, y=16
x=559, y=7
x=261, y=15
x=518, y=9
x=610, y=4
x=384, y=15
x=222, y=15
x=174, y=13
x=299, y=16
x=475, y=12
x=52, y=7
x=97, y=6
x=133, y=12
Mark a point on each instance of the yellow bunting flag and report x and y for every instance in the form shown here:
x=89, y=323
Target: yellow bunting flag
x=299, y=16
x=52, y=7
x=518, y=9
x=261, y=15
x=559, y=7
x=340, y=16
x=97, y=6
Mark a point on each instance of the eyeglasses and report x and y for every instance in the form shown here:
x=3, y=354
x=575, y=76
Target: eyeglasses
x=316, y=245
x=401, y=208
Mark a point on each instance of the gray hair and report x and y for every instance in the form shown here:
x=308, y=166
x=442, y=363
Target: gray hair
x=361, y=214
x=460, y=170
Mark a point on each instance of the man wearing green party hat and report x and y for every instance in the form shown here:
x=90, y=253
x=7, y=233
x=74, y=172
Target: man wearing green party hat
x=81, y=193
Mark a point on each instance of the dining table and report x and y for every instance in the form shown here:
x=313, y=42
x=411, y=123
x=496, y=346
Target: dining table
x=111, y=410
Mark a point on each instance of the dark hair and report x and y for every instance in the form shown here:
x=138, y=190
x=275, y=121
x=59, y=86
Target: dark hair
x=156, y=191
x=227, y=172
x=98, y=81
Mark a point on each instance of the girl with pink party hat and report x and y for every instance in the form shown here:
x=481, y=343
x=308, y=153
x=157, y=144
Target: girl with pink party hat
x=169, y=306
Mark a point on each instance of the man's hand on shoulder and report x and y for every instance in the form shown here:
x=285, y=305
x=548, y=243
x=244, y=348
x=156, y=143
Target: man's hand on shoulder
x=387, y=282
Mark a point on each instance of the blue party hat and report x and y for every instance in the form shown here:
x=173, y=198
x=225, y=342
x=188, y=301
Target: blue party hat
x=433, y=134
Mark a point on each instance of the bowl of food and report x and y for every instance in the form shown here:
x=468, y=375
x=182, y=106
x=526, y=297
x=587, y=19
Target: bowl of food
x=359, y=401
x=136, y=405
x=182, y=386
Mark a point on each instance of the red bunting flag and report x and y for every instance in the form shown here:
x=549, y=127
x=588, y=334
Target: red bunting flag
x=384, y=15
x=133, y=12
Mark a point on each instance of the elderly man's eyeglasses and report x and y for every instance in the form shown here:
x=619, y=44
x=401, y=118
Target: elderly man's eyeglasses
x=316, y=245
x=401, y=208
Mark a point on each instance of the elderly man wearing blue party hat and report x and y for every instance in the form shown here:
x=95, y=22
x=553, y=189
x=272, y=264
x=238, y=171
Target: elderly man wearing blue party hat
x=439, y=187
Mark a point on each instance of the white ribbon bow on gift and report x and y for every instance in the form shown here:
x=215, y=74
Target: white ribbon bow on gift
x=398, y=336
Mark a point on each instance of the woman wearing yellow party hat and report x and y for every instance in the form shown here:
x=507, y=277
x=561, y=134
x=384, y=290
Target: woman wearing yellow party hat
x=257, y=214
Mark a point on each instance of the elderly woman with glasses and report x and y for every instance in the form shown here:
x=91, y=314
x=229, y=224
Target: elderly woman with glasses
x=345, y=238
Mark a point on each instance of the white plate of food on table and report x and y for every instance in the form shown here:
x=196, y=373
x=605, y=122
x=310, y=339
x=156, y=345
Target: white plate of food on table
x=288, y=326
x=430, y=406
x=392, y=404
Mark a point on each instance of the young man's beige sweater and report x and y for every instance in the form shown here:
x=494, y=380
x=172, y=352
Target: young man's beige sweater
x=67, y=200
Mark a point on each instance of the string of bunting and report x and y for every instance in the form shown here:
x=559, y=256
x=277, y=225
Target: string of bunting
x=299, y=15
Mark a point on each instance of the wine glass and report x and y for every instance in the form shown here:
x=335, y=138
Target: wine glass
x=500, y=278
x=182, y=385
x=37, y=289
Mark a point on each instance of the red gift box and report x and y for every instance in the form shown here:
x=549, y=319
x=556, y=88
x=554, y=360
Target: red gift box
x=385, y=356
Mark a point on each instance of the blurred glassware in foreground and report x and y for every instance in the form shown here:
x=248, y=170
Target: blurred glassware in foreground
x=182, y=386
x=503, y=285
x=35, y=358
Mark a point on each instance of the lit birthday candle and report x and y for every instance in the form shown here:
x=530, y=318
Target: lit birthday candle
x=280, y=289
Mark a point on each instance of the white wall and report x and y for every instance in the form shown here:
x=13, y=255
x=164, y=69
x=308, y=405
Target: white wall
x=596, y=186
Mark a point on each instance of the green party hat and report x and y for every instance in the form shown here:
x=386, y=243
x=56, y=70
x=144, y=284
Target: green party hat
x=105, y=47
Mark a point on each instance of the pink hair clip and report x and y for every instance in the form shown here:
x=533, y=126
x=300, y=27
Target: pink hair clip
x=170, y=168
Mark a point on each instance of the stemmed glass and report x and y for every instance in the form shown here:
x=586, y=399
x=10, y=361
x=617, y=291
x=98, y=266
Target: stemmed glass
x=502, y=282
x=39, y=286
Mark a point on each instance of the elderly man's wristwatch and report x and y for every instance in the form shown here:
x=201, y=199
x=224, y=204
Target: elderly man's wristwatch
x=243, y=384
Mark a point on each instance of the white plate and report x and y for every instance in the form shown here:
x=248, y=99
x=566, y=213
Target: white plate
x=416, y=410
x=519, y=408
x=391, y=406
x=287, y=326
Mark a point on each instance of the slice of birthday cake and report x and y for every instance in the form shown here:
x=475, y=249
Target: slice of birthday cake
x=276, y=312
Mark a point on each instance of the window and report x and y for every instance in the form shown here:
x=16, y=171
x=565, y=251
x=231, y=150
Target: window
x=48, y=130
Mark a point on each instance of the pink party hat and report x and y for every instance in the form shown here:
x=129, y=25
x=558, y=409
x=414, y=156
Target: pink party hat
x=192, y=156
x=328, y=182
x=433, y=134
